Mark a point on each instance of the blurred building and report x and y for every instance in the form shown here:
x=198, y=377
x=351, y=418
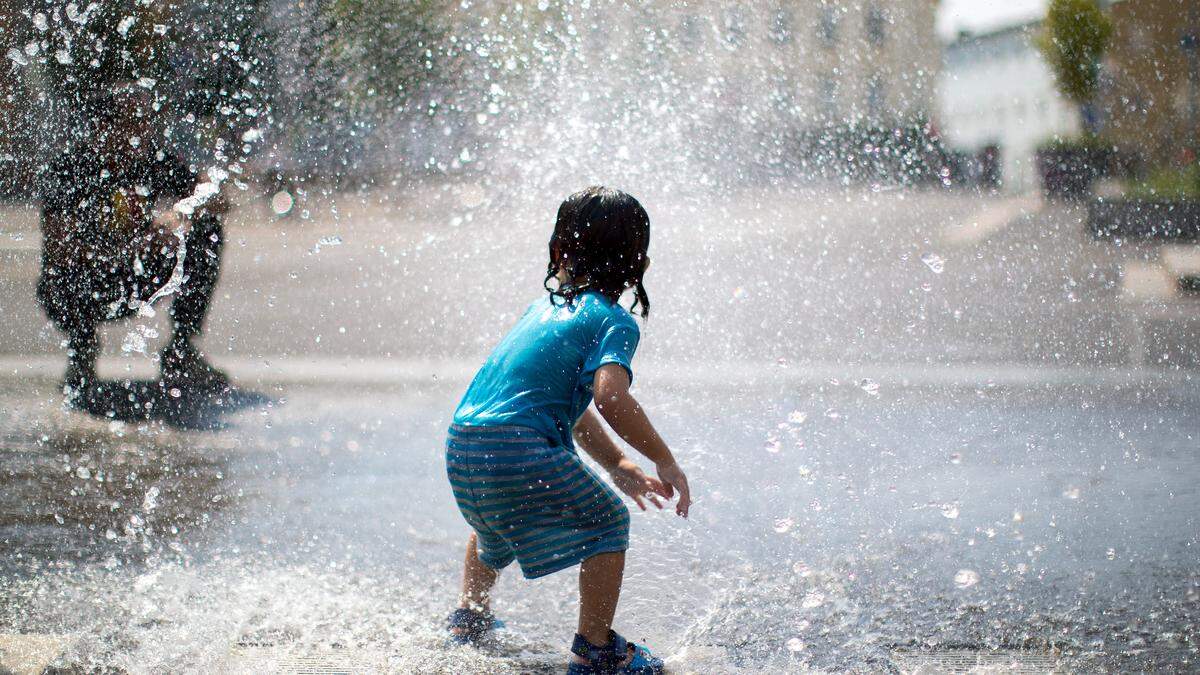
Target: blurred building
x=996, y=91
x=1150, y=95
x=743, y=85
x=789, y=88
x=821, y=62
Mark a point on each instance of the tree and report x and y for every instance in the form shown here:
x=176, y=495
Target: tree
x=1075, y=37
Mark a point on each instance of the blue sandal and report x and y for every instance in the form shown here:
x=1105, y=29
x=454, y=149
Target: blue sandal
x=608, y=659
x=475, y=625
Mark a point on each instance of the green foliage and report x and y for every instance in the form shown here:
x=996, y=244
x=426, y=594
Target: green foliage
x=383, y=51
x=1169, y=184
x=1075, y=37
x=1085, y=143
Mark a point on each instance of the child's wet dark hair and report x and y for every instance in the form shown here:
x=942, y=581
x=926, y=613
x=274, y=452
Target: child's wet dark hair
x=601, y=238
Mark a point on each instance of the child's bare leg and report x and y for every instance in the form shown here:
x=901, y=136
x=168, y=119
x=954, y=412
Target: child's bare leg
x=478, y=579
x=599, y=590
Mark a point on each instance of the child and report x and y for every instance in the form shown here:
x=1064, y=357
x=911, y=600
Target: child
x=510, y=458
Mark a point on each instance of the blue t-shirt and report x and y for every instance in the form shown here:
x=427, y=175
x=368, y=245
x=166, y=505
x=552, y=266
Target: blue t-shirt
x=540, y=375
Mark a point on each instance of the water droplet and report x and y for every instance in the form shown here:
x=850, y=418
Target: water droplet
x=795, y=645
x=870, y=386
x=58, y=519
x=175, y=392
x=1071, y=492
x=74, y=15
x=772, y=444
x=83, y=472
x=797, y=417
x=935, y=262
x=109, y=534
x=329, y=240
x=281, y=202
x=956, y=458
x=1111, y=554
x=812, y=599
x=17, y=56
x=966, y=578
x=125, y=24
x=782, y=525
x=949, y=511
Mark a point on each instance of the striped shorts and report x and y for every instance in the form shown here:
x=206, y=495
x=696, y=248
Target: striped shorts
x=531, y=499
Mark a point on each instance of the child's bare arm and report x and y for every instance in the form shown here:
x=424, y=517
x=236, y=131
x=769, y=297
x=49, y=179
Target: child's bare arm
x=626, y=474
x=626, y=417
x=590, y=436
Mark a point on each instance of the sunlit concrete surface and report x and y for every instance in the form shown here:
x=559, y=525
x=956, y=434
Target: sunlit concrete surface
x=836, y=523
x=950, y=662
x=29, y=654
x=993, y=216
x=808, y=274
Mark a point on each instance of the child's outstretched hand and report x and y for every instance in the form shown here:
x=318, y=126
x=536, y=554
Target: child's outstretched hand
x=673, y=478
x=630, y=479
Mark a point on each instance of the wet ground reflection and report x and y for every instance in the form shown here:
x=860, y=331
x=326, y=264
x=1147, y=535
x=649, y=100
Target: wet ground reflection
x=837, y=523
x=79, y=490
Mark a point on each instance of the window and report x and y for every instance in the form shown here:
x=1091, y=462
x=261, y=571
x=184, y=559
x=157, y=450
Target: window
x=876, y=98
x=782, y=100
x=781, y=25
x=875, y=25
x=735, y=26
x=692, y=30
x=827, y=90
x=827, y=28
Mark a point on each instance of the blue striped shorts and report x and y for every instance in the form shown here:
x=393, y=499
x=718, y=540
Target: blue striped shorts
x=531, y=499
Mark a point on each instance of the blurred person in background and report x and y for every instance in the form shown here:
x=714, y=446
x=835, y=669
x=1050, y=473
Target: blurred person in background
x=105, y=252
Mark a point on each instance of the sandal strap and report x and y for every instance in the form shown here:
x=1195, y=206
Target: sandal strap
x=605, y=658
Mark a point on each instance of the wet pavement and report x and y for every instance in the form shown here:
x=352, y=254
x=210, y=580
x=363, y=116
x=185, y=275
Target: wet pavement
x=834, y=526
x=995, y=452
x=808, y=275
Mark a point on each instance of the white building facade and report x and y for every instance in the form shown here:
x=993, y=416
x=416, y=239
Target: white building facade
x=996, y=89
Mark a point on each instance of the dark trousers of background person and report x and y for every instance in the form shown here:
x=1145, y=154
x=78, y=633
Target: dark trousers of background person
x=78, y=300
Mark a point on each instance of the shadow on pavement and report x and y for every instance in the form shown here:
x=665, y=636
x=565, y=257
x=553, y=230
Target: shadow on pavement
x=150, y=400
